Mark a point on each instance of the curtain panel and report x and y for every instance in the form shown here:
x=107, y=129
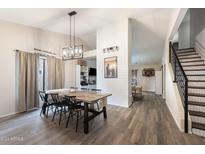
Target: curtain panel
x=27, y=81
x=56, y=73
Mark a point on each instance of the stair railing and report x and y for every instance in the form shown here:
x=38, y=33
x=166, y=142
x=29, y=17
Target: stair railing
x=182, y=82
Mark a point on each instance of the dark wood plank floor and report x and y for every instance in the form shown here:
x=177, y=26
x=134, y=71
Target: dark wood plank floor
x=146, y=122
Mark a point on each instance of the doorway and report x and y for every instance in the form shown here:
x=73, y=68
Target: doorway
x=42, y=75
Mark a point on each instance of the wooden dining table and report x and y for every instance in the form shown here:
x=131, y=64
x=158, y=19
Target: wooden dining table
x=86, y=97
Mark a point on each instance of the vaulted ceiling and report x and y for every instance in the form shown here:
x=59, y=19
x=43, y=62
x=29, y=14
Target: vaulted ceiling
x=150, y=26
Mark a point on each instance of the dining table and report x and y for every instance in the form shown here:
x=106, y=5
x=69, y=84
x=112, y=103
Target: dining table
x=88, y=98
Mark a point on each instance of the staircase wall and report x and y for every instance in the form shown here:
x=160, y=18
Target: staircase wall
x=197, y=24
x=173, y=100
x=200, y=43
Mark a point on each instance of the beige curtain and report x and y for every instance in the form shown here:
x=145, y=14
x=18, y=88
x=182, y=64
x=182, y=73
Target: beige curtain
x=22, y=58
x=60, y=67
x=51, y=72
x=28, y=81
x=56, y=73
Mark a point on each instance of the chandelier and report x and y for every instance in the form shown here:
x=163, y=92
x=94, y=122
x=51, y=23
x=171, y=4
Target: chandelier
x=72, y=51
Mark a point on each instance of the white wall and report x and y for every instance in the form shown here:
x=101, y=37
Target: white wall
x=197, y=23
x=184, y=35
x=70, y=73
x=158, y=83
x=184, y=32
x=16, y=36
x=115, y=35
x=201, y=37
x=91, y=63
x=192, y=25
x=90, y=39
x=147, y=83
x=90, y=54
x=173, y=99
x=200, y=43
x=148, y=38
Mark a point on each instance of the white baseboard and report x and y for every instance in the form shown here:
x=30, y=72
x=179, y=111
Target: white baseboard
x=118, y=105
x=10, y=114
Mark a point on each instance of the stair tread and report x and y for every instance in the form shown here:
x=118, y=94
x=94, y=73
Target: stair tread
x=197, y=113
x=192, y=61
x=188, y=54
x=194, y=65
x=181, y=58
x=196, y=94
x=201, y=69
x=196, y=80
x=185, y=50
x=191, y=48
x=195, y=74
x=196, y=87
x=198, y=125
x=196, y=103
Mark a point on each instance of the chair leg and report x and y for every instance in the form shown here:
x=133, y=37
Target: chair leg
x=47, y=111
x=72, y=115
x=98, y=107
x=60, y=115
x=41, y=112
x=68, y=119
x=65, y=110
x=54, y=114
x=52, y=108
x=76, y=129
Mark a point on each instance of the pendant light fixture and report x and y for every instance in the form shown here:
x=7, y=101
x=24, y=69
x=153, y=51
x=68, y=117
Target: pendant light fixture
x=73, y=51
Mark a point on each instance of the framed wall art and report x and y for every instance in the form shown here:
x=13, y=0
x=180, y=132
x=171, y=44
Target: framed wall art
x=110, y=67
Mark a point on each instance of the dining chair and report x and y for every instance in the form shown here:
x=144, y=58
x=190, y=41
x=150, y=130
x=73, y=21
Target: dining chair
x=46, y=103
x=42, y=95
x=74, y=109
x=85, y=89
x=96, y=90
x=58, y=104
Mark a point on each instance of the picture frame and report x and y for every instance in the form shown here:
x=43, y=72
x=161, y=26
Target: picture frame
x=148, y=72
x=110, y=67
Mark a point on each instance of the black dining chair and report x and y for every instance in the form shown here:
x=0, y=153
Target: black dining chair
x=58, y=104
x=74, y=109
x=97, y=90
x=85, y=89
x=47, y=103
x=42, y=95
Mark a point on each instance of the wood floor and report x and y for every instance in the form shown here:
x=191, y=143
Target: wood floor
x=146, y=122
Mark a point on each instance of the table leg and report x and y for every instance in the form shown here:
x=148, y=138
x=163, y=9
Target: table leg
x=85, y=118
x=104, y=112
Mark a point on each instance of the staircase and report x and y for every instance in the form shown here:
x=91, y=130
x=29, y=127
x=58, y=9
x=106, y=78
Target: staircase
x=194, y=68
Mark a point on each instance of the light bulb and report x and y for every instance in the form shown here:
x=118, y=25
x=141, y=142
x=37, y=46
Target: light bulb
x=64, y=52
x=76, y=51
